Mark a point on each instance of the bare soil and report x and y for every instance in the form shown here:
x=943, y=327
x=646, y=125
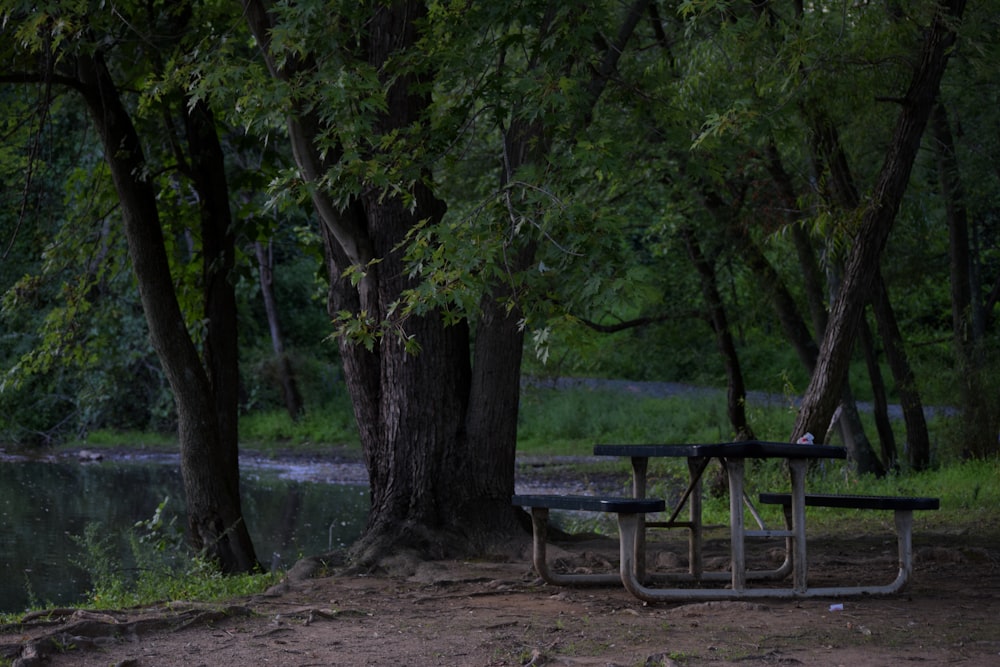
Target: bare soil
x=495, y=612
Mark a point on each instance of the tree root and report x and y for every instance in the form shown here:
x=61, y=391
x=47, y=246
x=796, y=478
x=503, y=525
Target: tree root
x=80, y=629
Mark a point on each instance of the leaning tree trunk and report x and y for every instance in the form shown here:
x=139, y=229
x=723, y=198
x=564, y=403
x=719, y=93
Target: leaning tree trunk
x=208, y=462
x=876, y=223
x=830, y=158
x=848, y=421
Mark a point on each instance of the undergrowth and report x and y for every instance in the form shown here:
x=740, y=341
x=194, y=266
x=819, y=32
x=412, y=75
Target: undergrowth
x=158, y=565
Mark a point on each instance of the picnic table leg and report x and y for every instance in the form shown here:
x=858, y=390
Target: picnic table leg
x=797, y=470
x=904, y=541
x=695, y=468
x=539, y=557
x=640, y=467
x=734, y=470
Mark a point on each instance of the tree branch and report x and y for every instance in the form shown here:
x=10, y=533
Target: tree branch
x=631, y=324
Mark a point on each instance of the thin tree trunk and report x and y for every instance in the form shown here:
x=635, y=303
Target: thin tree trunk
x=286, y=375
x=880, y=403
x=917, y=438
x=736, y=388
x=966, y=311
x=209, y=464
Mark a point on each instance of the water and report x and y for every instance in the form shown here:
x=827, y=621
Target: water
x=43, y=505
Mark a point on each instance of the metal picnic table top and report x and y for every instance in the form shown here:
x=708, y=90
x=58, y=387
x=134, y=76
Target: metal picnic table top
x=749, y=449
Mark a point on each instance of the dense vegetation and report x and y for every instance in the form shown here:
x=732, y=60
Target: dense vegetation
x=392, y=202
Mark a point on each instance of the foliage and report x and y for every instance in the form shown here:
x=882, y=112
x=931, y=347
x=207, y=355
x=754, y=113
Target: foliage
x=161, y=568
x=686, y=119
x=329, y=423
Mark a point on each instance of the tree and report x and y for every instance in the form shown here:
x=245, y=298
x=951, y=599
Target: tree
x=65, y=49
x=289, y=388
x=437, y=415
x=877, y=220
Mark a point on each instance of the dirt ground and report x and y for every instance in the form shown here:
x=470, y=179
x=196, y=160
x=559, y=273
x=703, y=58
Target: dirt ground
x=496, y=612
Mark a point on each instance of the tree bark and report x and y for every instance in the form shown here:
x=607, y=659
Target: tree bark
x=286, y=375
x=438, y=430
x=206, y=413
x=736, y=388
x=416, y=462
x=822, y=395
x=848, y=420
x=918, y=442
x=966, y=310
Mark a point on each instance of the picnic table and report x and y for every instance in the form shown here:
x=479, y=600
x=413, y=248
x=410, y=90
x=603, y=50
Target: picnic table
x=732, y=455
x=633, y=523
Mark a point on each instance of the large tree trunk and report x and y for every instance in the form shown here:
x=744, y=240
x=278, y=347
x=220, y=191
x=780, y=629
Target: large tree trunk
x=863, y=261
x=206, y=426
x=439, y=434
x=410, y=406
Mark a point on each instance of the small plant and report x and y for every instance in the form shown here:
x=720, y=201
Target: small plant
x=160, y=567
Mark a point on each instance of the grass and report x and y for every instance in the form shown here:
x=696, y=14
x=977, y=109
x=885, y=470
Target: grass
x=570, y=422
x=969, y=492
x=276, y=430
x=551, y=422
x=161, y=568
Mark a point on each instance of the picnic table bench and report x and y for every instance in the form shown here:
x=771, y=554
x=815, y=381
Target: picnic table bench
x=902, y=507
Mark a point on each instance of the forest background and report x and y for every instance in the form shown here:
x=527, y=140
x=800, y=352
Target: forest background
x=387, y=204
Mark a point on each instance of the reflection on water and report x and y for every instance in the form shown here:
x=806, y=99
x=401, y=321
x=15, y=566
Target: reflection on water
x=43, y=505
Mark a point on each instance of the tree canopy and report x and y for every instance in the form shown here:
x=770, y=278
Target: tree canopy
x=477, y=180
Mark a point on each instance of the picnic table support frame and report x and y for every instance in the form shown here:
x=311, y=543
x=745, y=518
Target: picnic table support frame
x=692, y=497
x=902, y=508
x=539, y=557
x=632, y=524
